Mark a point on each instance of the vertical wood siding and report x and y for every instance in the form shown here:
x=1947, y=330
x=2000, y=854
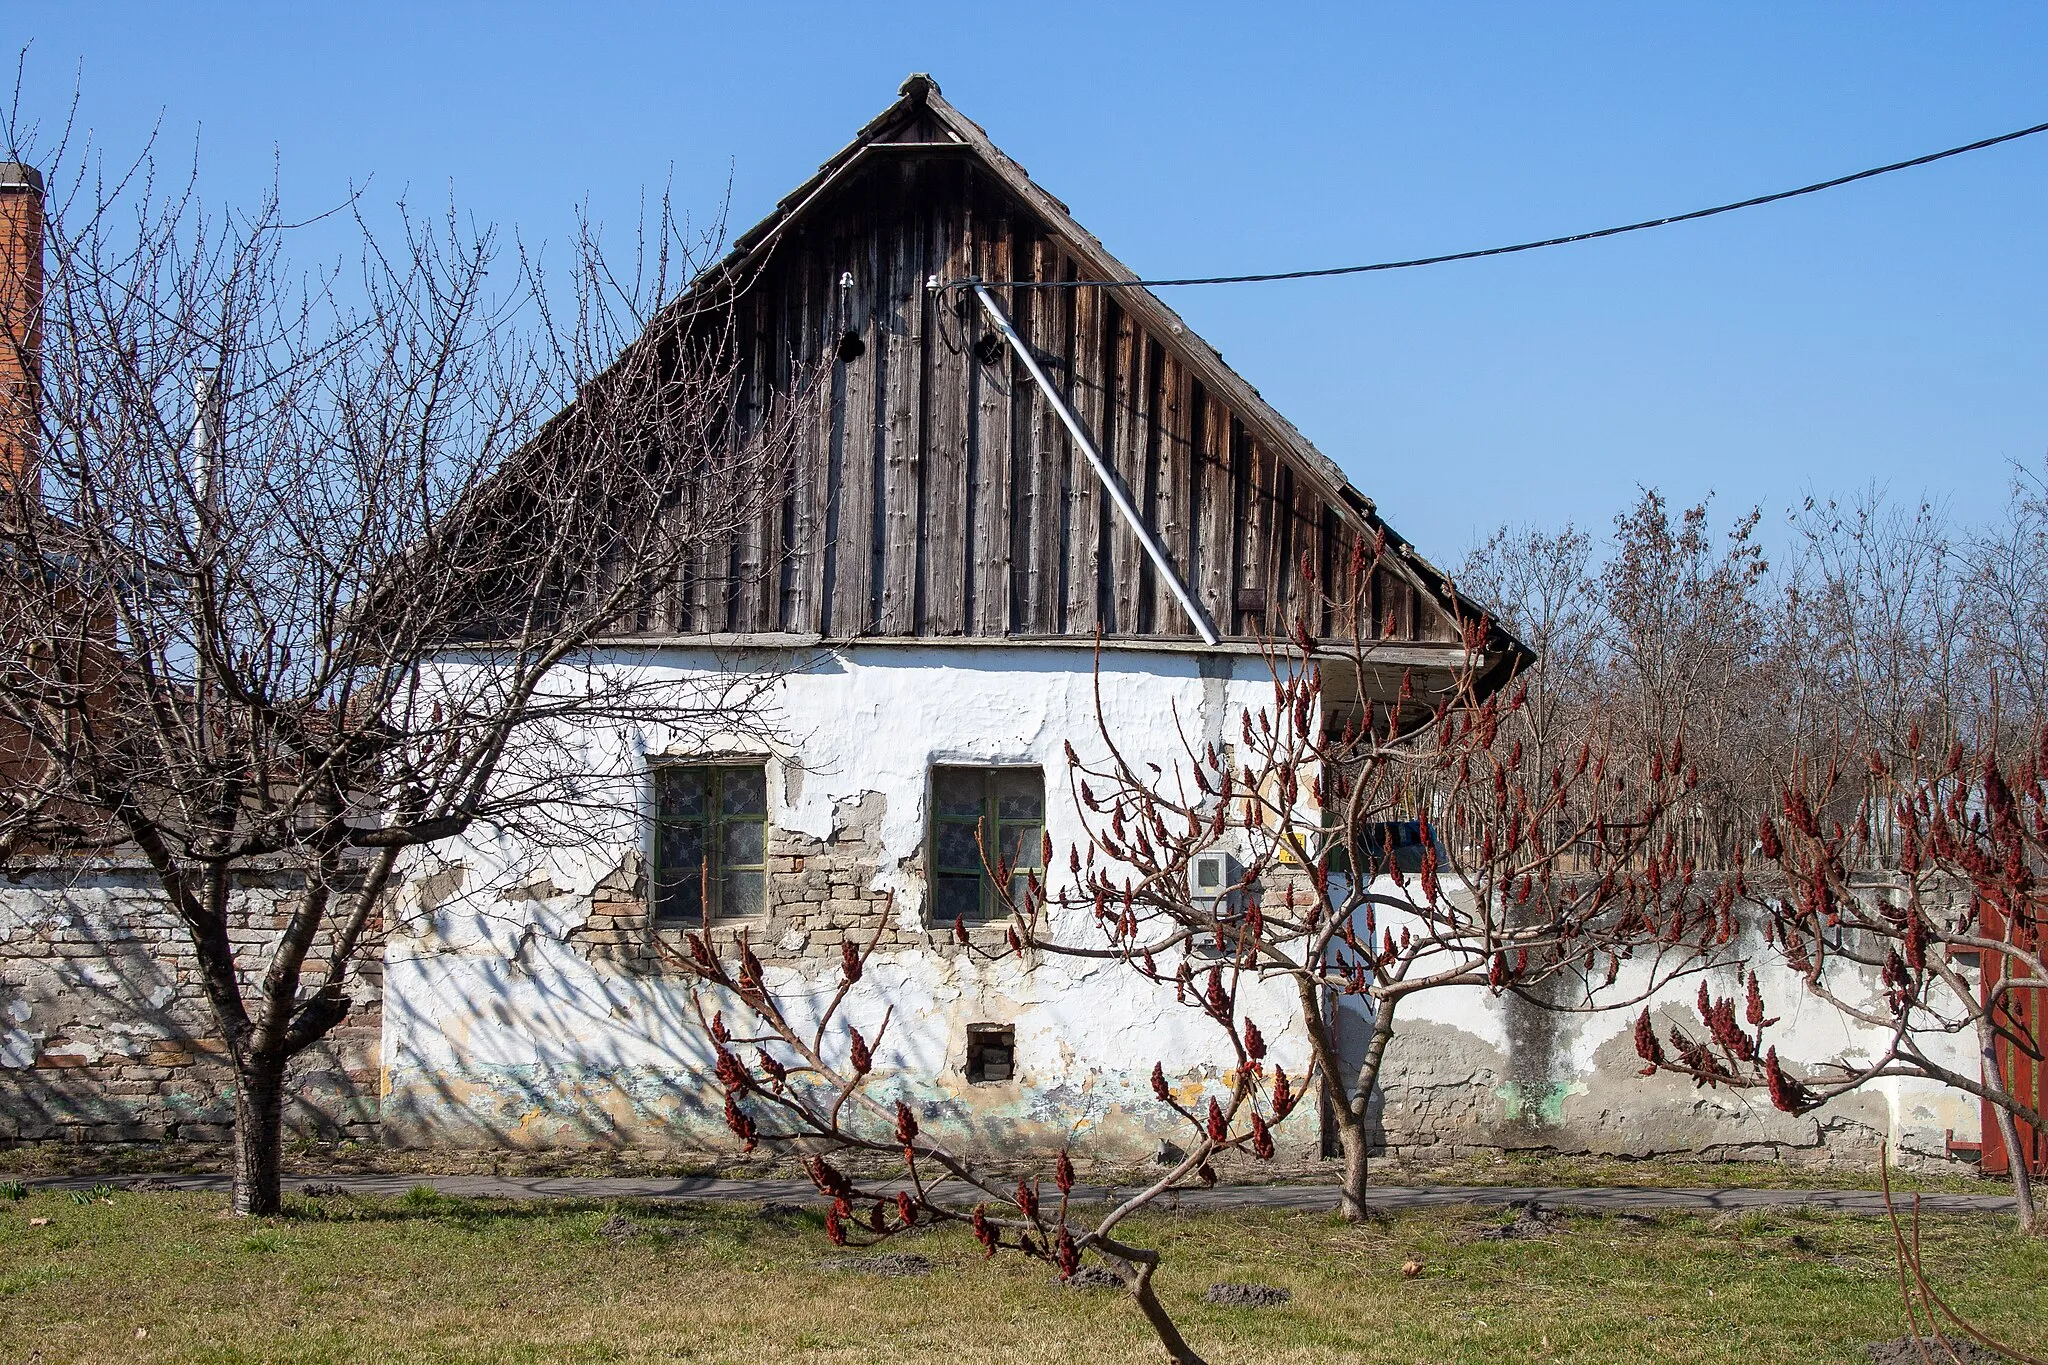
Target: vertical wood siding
x=934, y=492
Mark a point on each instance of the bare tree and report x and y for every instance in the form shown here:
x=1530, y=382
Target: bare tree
x=1866, y=642
x=315, y=570
x=1684, y=636
x=1665, y=634
x=1546, y=595
x=2007, y=619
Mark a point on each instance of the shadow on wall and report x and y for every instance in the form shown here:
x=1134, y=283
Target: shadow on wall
x=529, y=1052
x=105, y=1035
x=1354, y=1032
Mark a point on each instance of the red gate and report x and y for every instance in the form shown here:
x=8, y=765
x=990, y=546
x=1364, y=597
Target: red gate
x=2027, y=1076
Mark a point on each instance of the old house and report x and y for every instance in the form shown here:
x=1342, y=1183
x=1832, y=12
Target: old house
x=985, y=486
x=933, y=583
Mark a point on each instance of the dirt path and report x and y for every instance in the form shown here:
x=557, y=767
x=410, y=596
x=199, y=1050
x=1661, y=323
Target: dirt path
x=1312, y=1198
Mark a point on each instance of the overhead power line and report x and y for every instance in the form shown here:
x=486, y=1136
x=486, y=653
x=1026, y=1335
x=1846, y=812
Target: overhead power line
x=1448, y=257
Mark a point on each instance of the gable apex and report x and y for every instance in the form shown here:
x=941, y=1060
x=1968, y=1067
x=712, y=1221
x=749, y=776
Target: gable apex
x=917, y=442
x=922, y=111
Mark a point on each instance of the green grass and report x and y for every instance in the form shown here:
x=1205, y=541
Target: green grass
x=433, y=1279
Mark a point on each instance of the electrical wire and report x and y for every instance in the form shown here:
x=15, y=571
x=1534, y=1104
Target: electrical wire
x=1327, y=271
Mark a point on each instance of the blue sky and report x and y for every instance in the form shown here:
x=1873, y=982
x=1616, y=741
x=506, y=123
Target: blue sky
x=1894, y=332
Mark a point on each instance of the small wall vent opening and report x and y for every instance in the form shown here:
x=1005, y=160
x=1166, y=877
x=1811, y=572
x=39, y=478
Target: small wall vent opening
x=851, y=347
x=991, y=1052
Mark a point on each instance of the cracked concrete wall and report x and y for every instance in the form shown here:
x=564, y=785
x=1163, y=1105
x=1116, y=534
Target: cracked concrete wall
x=1468, y=1072
x=545, y=1018
x=105, y=1035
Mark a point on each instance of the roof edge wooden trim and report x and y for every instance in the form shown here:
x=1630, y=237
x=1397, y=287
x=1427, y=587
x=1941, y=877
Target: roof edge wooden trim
x=1408, y=654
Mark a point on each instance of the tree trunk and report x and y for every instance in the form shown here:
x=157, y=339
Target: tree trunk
x=2008, y=1131
x=1177, y=1349
x=1351, y=1137
x=259, y=1137
x=2016, y=1162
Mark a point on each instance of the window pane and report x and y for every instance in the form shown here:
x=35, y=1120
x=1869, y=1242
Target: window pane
x=955, y=848
x=958, y=791
x=958, y=898
x=682, y=850
x=680, y=889
x=682, y=793
x=679, y=899
x=1020, y=794
x=740, y=843
x=746, y=791
x=740, y=893
x=1020, y=845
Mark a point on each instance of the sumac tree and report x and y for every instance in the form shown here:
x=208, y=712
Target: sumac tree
x=1917, y=872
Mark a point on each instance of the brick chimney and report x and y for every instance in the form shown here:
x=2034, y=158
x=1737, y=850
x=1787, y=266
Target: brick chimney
x=21, y=315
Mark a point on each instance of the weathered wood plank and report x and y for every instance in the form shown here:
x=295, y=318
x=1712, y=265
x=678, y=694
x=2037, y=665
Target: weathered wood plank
x=995, y=463
x=904, y=318
x=758, y=536
x=708, y=565
x=1214, y=511
x=1305, y=547
x=1172, y=476
x=1045, y=441
x=1089, y=400
x=1262, y=535
x=785, y=305
x=1396, y=605
x=677, y=598
x=1244, y=566
x=743, y=549
x=949, y=475
x=695, y=594
x=1123, y=448
x=808, y=396
x=1337, y=620
x=1280, y=554
x=857, y=360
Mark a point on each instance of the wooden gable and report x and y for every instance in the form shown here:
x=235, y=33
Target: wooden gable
x=934, y=491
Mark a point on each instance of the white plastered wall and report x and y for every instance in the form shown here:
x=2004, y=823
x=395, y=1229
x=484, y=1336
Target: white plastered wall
x=499, y=1029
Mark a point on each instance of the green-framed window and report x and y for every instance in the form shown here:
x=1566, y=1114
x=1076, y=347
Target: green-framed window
x=1007, y=807
x=710, y=842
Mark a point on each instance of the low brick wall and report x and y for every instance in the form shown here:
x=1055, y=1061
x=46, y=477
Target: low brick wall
x=105, y=1035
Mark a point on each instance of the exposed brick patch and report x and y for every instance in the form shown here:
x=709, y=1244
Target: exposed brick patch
x=820, y=893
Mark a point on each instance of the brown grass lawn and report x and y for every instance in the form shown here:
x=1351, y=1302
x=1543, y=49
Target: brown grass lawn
x=166, y=1277
x=313, y=1160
